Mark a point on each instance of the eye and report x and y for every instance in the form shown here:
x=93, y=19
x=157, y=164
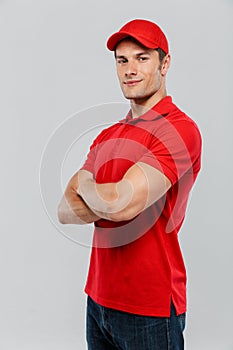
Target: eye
x=143, y=58
x=121, y=60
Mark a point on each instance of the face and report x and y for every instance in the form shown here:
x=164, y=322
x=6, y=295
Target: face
x=138, y=70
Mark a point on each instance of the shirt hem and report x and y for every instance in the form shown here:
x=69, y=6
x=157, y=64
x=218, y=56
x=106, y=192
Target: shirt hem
x=137, y=310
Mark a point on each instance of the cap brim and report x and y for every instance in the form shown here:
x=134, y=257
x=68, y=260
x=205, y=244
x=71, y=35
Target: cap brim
x=115, y=38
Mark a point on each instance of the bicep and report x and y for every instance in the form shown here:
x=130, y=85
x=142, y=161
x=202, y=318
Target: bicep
x=146, y=185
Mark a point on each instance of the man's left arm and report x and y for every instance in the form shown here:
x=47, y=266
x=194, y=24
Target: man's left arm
x=141, y=186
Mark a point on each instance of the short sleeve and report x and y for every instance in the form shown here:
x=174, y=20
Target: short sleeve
x=175, y=149
x=89, y=163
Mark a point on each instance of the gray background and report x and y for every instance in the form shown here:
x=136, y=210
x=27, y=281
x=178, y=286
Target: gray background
x=53, y=64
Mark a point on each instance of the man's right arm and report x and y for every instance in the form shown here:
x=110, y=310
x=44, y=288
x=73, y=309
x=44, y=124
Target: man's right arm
x=72, y=209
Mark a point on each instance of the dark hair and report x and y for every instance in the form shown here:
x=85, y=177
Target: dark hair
x=161, y=53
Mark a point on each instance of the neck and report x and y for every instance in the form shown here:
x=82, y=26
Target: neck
x=141, y=106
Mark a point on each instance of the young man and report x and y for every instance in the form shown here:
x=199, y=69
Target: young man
x=134, y=186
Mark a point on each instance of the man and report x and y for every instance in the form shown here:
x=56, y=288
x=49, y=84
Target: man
x=134, y=186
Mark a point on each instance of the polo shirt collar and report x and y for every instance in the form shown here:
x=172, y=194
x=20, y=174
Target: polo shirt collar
x=161, y=109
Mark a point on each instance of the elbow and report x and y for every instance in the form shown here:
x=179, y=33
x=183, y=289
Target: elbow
x=117, y=217
x=123, y=215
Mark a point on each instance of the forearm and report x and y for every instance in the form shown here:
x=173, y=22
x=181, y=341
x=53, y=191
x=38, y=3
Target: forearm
x=105, y=200
x=141, y=186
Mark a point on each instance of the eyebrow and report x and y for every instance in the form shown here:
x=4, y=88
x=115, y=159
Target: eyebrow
x=137, y=54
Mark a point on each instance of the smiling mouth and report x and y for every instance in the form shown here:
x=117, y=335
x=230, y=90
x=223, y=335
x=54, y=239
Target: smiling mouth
x=131, y=82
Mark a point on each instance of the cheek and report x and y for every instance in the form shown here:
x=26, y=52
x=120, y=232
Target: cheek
x=120, y=75
x=155, y=78
x=118, y=71
x=158, y=75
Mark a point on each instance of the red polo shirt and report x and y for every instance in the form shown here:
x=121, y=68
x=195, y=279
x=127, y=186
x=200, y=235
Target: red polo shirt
x=137, y=266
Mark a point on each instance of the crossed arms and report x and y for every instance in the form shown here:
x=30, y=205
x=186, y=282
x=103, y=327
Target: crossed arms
x=86, y=201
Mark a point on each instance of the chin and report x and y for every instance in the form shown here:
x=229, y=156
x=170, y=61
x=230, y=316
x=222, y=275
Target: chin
x=136, y=95
x=133, y=96
x=129, y=95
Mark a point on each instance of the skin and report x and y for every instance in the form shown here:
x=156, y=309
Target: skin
x=72, y=208
x=142, y=79
x=141, y=75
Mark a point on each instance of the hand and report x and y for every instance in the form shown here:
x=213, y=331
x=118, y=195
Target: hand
x=79, y=207
x=73, y=209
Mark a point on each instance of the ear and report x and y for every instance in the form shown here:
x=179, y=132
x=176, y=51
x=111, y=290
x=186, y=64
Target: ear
x=165, y=65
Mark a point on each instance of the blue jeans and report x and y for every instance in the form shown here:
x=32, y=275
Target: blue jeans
x=109, y=329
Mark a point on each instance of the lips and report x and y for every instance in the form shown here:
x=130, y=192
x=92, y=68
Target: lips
x=132, y=82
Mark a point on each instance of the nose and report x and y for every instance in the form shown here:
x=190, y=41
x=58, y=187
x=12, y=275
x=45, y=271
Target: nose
x=131, y=69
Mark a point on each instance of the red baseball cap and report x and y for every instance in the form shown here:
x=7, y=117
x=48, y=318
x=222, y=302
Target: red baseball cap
x=145, y=32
